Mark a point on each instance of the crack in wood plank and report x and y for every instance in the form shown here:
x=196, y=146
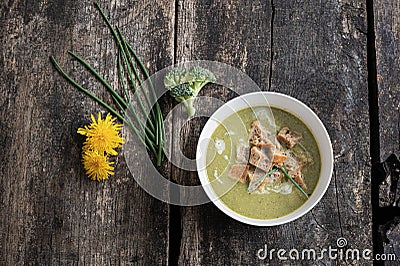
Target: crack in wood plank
x=337, y=202
x=271, y=56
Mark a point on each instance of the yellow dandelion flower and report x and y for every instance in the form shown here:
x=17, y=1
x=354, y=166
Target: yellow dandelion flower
x=96, y=165
x=102, y=135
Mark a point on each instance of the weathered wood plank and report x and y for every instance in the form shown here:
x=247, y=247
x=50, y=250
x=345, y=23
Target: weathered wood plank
x=236, y=33
x=319, y=56
x=51, y=214
x=387, y=23
x=387, y=42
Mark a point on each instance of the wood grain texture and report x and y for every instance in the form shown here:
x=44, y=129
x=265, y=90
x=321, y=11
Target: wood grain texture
x=236, y=33
x=328, y=72
x=387, y=31
x=387, y=42
x=319, y=57
x=51, y=214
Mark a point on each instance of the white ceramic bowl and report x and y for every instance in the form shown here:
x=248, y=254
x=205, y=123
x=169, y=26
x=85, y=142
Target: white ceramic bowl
x=290, y=105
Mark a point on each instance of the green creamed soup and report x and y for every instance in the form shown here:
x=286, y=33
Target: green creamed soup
x=232, y=132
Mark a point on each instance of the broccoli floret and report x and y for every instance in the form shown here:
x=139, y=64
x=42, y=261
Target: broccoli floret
x=175, y=77
x=185, y=85
x=199, y=74
x=181, y=92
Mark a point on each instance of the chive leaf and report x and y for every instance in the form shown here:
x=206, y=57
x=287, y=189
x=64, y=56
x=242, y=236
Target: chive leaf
x=294, y=182
x=254, y=185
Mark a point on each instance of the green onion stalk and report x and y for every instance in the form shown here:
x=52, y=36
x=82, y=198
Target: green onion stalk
x=150, y=131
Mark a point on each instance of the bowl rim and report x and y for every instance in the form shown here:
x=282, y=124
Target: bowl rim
x=309, y=118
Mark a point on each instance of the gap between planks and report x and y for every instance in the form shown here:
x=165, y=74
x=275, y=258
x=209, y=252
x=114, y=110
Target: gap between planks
x=374, y=129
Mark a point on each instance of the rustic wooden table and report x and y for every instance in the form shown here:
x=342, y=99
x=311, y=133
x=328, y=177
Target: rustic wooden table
x=322, y=52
